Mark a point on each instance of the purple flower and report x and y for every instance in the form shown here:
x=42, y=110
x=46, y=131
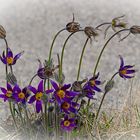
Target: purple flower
x=68, y=124
x=126, y=71
x=88, y=92
x=62, y=93
x=7, y=93
x=10, y=59
x=93, y=83
x=38, y=94
x=69, y=106
x=41, y=71
x=20, y=95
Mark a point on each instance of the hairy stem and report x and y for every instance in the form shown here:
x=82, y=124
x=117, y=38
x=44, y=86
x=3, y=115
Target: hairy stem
x=81, y=58
x=50, y=53
x=100, y=55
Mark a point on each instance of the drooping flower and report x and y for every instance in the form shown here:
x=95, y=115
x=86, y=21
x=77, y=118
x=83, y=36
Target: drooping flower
x=38, y=94
x=93, y=83
x=9, y=58
x=46, y=71
x=7, y=93
x=88, y=92
x=20, y=95
x=68, y=124
x=69, y=106
x=126, y=71
x=61, y=93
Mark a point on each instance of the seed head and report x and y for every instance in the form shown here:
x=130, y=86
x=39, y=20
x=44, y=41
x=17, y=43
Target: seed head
x=2, y=32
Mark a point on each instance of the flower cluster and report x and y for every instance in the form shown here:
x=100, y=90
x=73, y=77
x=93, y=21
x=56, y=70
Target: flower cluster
x=54, y=100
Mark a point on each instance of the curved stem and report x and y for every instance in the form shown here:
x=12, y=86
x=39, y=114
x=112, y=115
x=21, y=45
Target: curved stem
x=6, y=67
x=32, y=79
x=98, y=60
x=81, y=58
x=50, y=53
x=104, y=97
x=62, y=54
x=103, y=24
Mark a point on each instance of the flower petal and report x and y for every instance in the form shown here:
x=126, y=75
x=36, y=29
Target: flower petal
x=10, y=53
x=33, y=89
x=38, y=106
x=32, y=99
x=40, y=86
x=54, y=84
x=122, y=61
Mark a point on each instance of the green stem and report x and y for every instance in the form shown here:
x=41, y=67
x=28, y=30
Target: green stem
x=10, y=106
x=99, y=57
x=6, y=67
x=50, y=53
x=106, y=23
x=32, y=79
x=81, y=58
x=62, y=54
x=20, y=114
x=104, y=97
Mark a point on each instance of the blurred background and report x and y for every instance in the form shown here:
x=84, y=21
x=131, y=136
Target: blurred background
x=32, y=24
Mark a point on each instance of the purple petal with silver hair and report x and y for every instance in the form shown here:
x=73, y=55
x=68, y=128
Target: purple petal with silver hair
x=10, y=53
x=38, y=106
x=32, y=89
x=55, y=86
x=17, y=57
x=3, y=90
x=122, y=61
x=40, y=86
x=32, y=99
x=9, y=87
x=66, y=86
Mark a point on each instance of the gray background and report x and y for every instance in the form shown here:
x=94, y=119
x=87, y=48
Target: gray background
x=31, y=25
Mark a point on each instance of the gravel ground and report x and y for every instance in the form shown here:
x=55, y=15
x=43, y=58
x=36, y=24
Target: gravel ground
x=31, y=25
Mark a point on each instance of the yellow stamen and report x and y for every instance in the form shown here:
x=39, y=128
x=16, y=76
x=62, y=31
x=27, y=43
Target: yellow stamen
x=65, y=105
x=9, y=94
x=38, y=95
x=92, y=82
x=61, y=94
x=10, y=60
x=66, y=123
x=21, y=95
x=123, y=72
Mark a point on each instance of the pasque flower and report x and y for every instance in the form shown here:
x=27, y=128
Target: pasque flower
x=69, y=106
x=9, y=58
x=20, y=95
x=38, y=94
x=93, y=83
x=126, y=71
x=68, y=124
x=7, y=93
x=61, y=93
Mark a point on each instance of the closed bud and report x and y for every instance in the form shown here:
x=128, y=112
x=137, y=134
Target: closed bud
x=109, y=86
x=90, y=31
x=73, y=26
x=135, y=29
x=2, y=32
x=11, y=79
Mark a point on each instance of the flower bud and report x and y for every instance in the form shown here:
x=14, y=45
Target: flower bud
x=90, y=31
x=73, y=26
x=135, y=29
x=2, y=32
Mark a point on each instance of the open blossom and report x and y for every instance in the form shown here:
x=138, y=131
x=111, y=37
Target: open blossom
x=126, y=71
x=69, y=106
x=68, y=124
x=62, y=93
x=7, y=93
x=9, y=58
x=38, y=94
x=93, y=83
x=20, y=95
